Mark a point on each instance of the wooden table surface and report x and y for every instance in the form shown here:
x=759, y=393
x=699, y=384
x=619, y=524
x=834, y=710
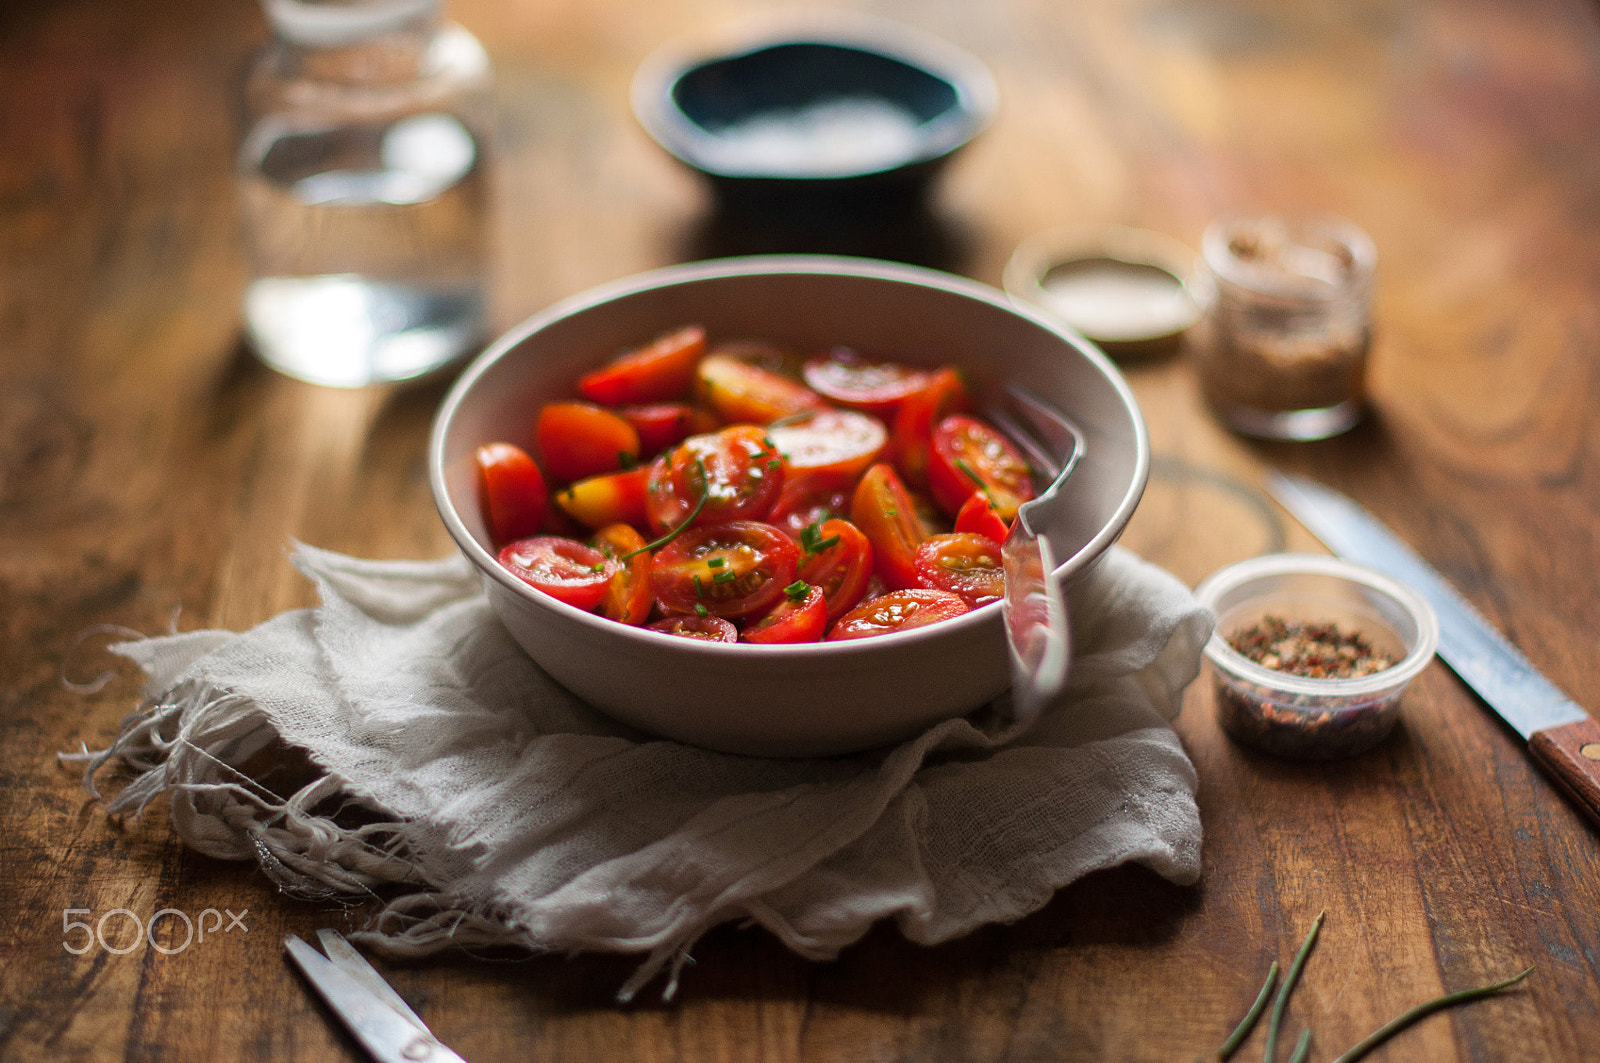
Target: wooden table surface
x=152, y=474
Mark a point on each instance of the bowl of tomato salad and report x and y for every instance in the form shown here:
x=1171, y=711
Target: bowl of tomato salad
x=756, y=504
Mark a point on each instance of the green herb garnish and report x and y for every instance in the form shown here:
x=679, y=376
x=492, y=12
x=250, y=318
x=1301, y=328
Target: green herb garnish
x=797, y=591
x=724, y=577
x=627, y=459
x=716, y=562
x=701, y=611
x=699, y=588
x=810, y=541
x=705, y=493
x=792, y=418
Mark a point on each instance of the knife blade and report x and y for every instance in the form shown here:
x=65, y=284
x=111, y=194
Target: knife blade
x=1562, y=738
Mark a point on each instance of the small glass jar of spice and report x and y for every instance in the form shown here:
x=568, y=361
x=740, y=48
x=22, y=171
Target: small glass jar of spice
x=1282, y=352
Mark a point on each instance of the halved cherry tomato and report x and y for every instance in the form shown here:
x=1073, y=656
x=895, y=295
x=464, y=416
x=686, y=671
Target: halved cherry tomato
x=511, y=490
x=897, y=611
x=964, y=564
x=664, y=424
x=629, y=596
x=850, y=380
x=884, y=511
x=840, y=441
x=663, y=508
x=811, y=498
x=802, y=616
x=610, y=498
x=565, y=569
x=836, y=556
x=578, y=439
x=705, y=628
x=740, y=391
x=945, y=393
x=979, y=516
x=734, y=569
x=737, y=469
x=968, y=455
x=657, y=372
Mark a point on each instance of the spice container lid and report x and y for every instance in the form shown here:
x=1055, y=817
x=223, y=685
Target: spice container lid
x=1131, y=291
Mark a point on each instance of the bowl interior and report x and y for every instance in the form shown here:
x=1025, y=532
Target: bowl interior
x=810, y=303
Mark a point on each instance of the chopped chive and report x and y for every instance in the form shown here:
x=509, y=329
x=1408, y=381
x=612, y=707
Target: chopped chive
x=1248, y=1023
x=774, y=463
x=705, y=493
x=792, y=418
x=700, y=610
x=723, y=577
x=597, y=568
x=1289, y=980
x=716, y=562
x=824, y=544
x=968, y=472
x=797, y=591
x=627, y=459
x=891, y=513
x=699, y=588
x=1394, y=1026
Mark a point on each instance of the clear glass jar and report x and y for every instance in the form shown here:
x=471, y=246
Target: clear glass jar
x=1282, y=352
x=363, y=181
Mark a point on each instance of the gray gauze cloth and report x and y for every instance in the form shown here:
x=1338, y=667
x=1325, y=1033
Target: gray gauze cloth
x=488, y=806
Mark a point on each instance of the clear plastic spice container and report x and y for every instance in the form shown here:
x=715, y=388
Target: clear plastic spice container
x=1301, y=716
x=1283, y=348
x=364, y=190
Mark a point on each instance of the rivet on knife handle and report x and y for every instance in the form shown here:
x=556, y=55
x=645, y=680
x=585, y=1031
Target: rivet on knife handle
x=1571, y=754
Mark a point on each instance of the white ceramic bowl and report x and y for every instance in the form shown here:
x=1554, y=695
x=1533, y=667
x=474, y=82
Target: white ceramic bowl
x=797, y=700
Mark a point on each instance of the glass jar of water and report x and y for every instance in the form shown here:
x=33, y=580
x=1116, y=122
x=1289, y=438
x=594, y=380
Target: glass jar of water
x=364, y=190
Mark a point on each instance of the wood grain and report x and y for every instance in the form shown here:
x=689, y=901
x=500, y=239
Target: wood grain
x=152, y=475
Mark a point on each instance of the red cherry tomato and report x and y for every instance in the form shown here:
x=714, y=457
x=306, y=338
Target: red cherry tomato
x=964, y=564
x=885, y=513
x=838, y=441
x=511, y=490
x=736, y=469
x=802, y=616
x=657, y=372
x=610, y=498
x=735, y=569
x=705, y=628
x=664, y=424
x=877, y=388
x=944, y=394
x=565, y=569
x=740, y=391
x=810, y=498
x=968, y=455
x=978, y=515
x=836, y=557
x=629, y=596
x=897, y=611
x=577, y=439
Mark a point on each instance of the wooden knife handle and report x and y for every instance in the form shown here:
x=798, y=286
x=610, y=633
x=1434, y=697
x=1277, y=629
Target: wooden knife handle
x=1570, y=753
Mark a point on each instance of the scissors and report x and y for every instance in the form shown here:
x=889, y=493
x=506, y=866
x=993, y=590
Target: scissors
x=374, y=1013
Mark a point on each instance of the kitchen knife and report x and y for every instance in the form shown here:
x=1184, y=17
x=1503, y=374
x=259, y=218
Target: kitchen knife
x=1561, y=736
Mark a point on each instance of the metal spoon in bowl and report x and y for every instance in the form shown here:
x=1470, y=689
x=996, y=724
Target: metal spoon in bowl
x=1037, y=629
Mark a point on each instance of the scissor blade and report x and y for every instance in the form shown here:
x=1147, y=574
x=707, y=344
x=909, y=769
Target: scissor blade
x=344, y=956
x=386, y=1034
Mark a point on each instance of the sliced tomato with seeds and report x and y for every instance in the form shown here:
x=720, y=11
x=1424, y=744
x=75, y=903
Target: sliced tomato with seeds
x=979, y=516
x=836, y=441
x=610, y=498
x=886, y=514
x=578, y=439
x=811, y=497
x=511, y=491
x=836, y=556
x=802, y=616
x=629, y=597
x=734, y=569
x=664, y=424
x=740, y=391
x=877, y=388
x=664, y=510
x=968, y=455
x=737, y=469
x=897, y=611
x=657, y=372
x=565, y=569
x=705, y=628
x=964, y=564
x=920, y=412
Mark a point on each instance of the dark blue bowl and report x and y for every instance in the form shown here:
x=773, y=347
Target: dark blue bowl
x=833, y=112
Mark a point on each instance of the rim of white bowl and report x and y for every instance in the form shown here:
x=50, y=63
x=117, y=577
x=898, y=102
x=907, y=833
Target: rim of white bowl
x=773, y=265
